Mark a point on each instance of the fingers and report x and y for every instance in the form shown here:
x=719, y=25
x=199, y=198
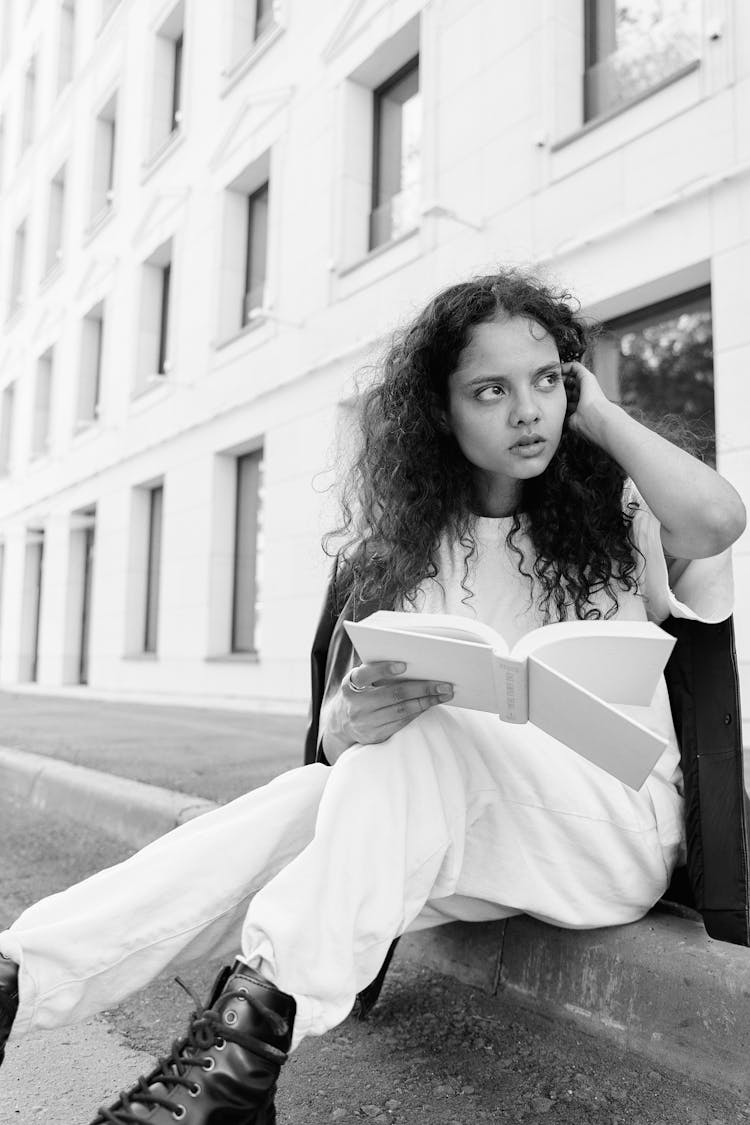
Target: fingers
x=365, y=675
x=375, y=713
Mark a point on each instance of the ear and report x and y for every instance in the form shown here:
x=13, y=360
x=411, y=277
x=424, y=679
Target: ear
x=443, y=423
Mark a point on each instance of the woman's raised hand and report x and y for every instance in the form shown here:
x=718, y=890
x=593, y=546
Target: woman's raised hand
x=587, y=400
x=376, y=700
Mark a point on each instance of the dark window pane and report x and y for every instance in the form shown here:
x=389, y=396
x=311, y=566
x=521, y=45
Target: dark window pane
x=177, y=82
x=263, y=16
x=257, y=251
x=154, y=568
x=247, y=524
x=166, y=277
x=634, y=45
x=663, y=358
x=397, y=130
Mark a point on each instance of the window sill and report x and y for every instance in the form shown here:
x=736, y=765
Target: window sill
x=234, y=73
x=247, y=331
x=154, y=389
x=14, y=316
x=100, y=219
x=51, y=275
x=85, y=427
x=378, y=252
x=162, y=152
x=234, y=658
x=603, y=118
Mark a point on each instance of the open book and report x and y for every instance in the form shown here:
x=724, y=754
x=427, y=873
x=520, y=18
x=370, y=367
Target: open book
x=564, y=677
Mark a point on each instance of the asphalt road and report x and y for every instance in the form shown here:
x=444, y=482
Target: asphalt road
x=216, y=754
x=434, y=1052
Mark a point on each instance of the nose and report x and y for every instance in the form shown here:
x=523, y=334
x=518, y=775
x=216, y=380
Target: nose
x=525, y=409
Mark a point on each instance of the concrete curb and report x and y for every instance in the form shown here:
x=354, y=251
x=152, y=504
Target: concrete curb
x=130, y=810
x=661, y=986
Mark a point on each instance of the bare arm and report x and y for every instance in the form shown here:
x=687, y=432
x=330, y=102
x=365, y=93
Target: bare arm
x=700, y=513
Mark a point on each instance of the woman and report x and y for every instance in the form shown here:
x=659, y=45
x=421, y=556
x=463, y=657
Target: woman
x=484, y=486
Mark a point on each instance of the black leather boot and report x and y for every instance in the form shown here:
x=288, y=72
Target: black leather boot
x=224, y=1071
x=8, y=1000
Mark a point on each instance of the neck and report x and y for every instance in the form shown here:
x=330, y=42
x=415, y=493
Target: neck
x=498, y=499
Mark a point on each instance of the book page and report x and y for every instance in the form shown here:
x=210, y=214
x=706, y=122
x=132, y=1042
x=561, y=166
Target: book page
x=436, y=625
x=594, y=729
x=466, y=664
x=619, y=661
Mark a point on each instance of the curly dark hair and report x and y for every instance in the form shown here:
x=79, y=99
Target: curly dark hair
x=410, y=484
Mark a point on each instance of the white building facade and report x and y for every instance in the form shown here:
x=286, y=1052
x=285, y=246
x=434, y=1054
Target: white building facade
x=212, y=214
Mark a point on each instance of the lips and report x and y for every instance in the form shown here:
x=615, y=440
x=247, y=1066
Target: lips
x=528, y=441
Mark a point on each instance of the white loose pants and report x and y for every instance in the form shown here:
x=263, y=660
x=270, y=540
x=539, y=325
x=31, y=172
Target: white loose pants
x=311, y=877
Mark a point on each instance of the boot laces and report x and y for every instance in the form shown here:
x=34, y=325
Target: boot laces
x=207, y=1029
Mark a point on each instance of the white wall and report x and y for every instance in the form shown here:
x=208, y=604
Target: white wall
x=626, y=211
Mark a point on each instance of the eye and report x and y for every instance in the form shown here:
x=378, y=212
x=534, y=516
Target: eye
x=553, y=376
x=486, y=394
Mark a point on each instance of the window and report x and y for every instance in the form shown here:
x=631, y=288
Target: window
x=660, y=359
x=6, y=31
x=264, y=17
x=90, y=366
x=166, y=274
x=177, y=83
x=66, y=46
x=29, y=105
x=40, y=428
x=153, y=568
x=251, y=22
x=245, y=270
x=103, y=179
x=246, y=538
x=54, y=250
x=31, y=601
x=397, y=133
x=81, y=547
x=166, y=109
x=633, y=46
x=255, y=261
x=19, y=269
x=6, y=428
x=156, y=297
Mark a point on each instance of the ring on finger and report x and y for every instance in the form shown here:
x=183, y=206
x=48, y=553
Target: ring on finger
x=356, y=687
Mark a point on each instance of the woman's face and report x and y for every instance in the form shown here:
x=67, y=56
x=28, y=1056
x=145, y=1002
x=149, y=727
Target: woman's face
x=508, y=386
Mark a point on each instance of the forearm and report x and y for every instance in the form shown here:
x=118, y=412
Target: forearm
x=701, y=513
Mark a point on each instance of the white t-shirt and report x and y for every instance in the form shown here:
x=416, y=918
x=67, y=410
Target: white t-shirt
x=701, y=589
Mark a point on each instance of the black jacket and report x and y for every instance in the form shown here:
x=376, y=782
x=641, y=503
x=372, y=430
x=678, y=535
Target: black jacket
x=703, y=685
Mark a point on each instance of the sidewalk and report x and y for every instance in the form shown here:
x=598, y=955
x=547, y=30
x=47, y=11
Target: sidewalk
x=660, y=987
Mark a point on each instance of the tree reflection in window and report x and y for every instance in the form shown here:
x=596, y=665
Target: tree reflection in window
x=633, y=46
x=660, y=360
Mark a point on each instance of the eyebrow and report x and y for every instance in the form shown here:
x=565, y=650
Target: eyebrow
x=505, y=378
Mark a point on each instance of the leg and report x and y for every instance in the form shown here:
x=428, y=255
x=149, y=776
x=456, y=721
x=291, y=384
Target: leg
x=181, y=898
x=390, y=832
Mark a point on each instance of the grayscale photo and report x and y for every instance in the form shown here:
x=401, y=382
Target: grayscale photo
x=374, y=565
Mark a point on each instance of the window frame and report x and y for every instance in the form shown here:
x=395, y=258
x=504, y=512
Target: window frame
x=251, y=512
x=378, y=94
x=254, y=199
x=153, y=569
x=591, y=116
x=643, y=316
